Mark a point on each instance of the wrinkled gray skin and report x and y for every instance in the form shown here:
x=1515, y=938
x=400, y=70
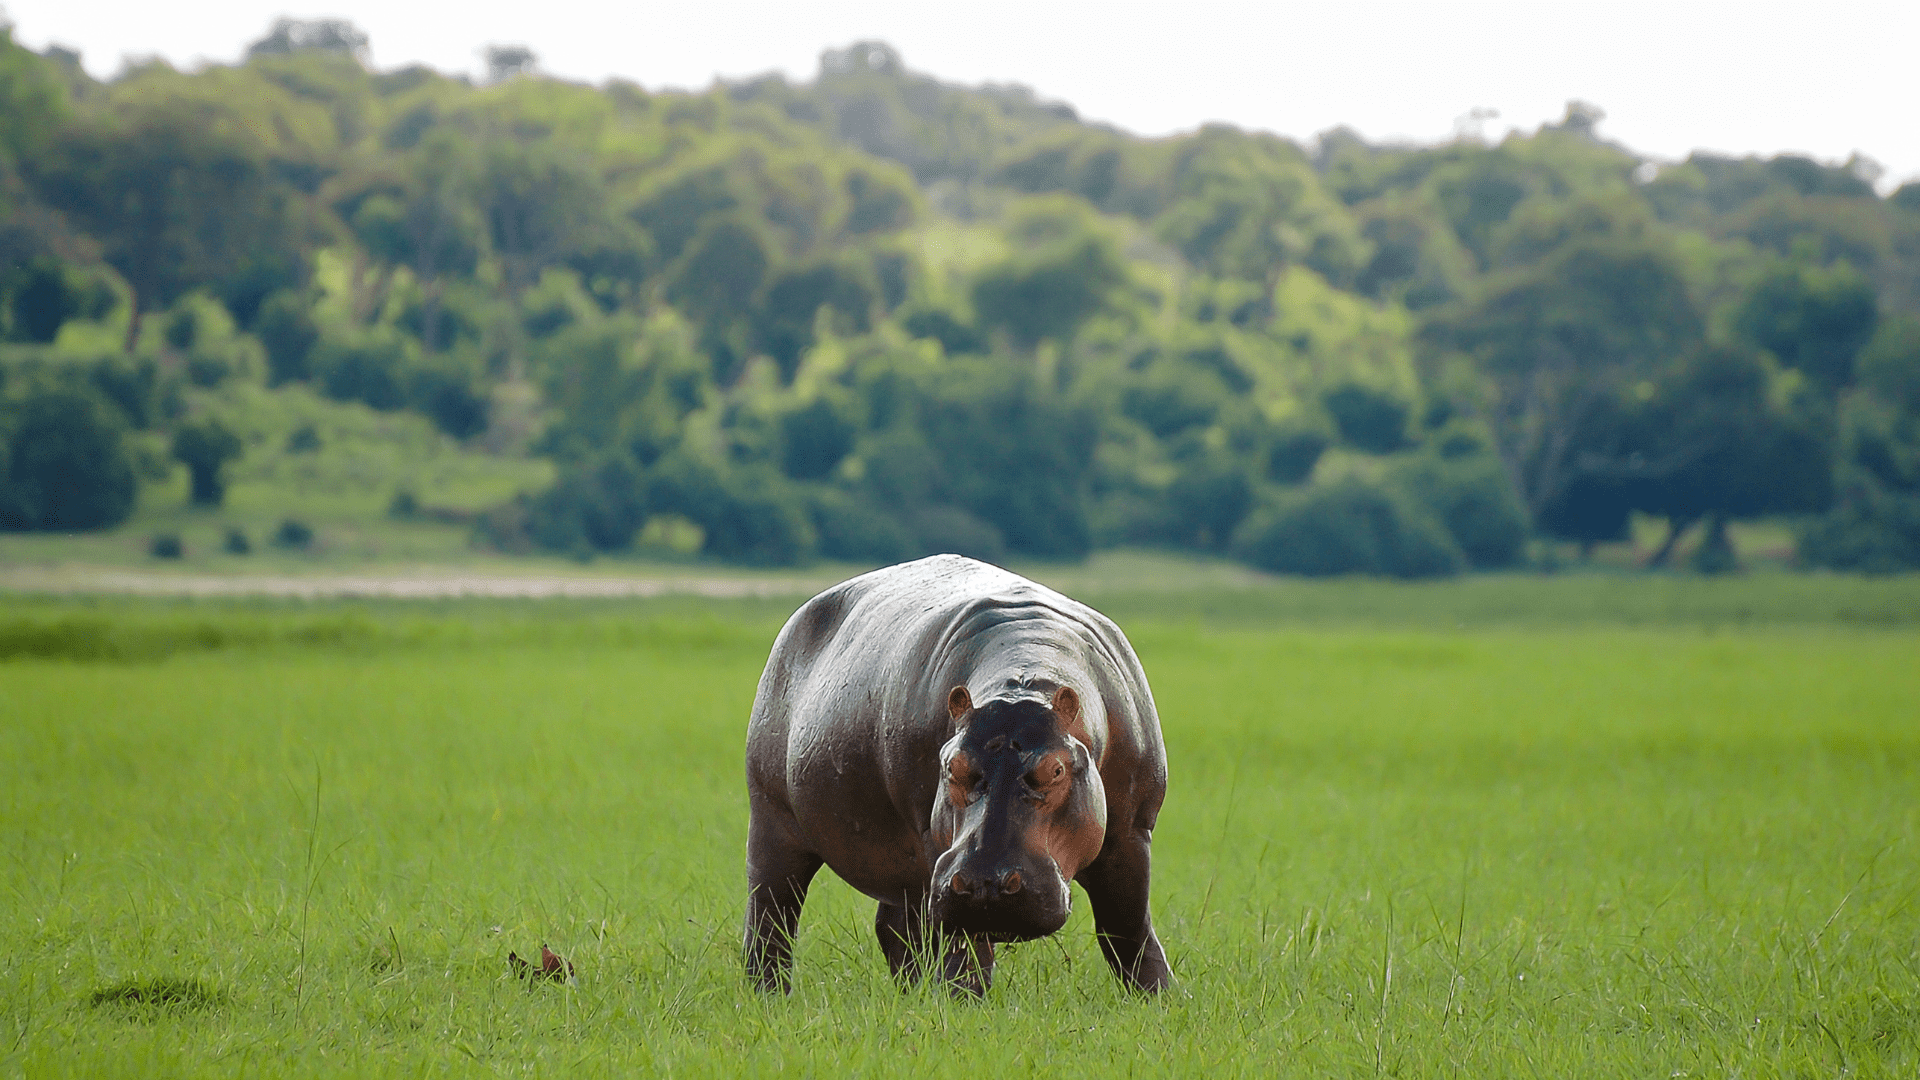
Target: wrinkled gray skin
x=958, y=743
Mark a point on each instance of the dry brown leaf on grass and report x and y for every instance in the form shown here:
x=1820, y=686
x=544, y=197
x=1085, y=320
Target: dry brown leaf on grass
x=552, y=966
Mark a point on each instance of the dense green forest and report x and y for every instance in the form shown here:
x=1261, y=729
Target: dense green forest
x=874, y=316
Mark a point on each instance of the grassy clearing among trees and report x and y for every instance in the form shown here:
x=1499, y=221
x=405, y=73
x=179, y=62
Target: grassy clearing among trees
x=1592, y=839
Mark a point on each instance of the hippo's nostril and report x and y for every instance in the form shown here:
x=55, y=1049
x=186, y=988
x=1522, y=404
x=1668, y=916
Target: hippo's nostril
x=960, y=885
x=1010, y=882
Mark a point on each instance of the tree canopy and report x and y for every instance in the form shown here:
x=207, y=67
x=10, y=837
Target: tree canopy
x=872, y=314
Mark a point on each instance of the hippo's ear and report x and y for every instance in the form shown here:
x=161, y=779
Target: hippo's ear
x=1066, y=705
x=959, y=703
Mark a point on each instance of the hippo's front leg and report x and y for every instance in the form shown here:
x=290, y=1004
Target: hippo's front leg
x=902, y=930
x=1116, y=885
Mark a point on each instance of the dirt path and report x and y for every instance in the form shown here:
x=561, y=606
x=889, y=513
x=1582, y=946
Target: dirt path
x=420, y=584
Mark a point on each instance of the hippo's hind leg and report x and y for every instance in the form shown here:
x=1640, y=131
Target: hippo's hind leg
x=902, y=929
x=778, y=873
x=1116, y=885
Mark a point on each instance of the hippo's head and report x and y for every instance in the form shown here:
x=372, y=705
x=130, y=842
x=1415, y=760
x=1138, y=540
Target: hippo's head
x=1021, y=811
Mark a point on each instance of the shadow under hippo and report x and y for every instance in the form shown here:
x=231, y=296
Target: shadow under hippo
x=958, y=743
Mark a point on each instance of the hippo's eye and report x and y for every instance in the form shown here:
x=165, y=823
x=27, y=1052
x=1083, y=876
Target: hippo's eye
x=1047, y=772
x=961, y=776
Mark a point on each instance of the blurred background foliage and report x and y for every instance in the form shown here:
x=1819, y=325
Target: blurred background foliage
x=875, y=316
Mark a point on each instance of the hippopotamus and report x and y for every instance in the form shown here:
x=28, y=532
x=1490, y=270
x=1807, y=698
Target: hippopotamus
x=958, y=743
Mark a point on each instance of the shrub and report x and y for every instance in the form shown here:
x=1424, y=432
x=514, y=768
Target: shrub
x=1876, y=534
x=813, y=439
x=954, y=336
x=941, y=530
x=749, y=515
x=1294, y=453
x=304, y=439
x=205, y=447
x=66, y=464
x=236, y=543
x=762, y=524
x=854, y=529
x=1015, y=455
x=1207, y=501
x=506, y=528
x=200, y=332
x=166, y=546
x=285, y=327
x=293, y=534
x=1051, y=293
x=1368, y=419
x=1347, y=528
x=382, y=370
x=442, y=388
x=39, y=295
x=1476, y=502
x=130, y=383
x=365, y=367
x=1876, y=526
x=597, y=505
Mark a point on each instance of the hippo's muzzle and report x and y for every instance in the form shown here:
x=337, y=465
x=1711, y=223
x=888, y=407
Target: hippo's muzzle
x=1004, y=902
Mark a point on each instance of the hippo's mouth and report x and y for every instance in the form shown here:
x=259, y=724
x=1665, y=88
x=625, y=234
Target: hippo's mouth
x=998, y=930
x=1023, y=916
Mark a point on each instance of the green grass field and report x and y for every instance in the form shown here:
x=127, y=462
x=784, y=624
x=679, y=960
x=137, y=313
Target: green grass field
x=1503, y=827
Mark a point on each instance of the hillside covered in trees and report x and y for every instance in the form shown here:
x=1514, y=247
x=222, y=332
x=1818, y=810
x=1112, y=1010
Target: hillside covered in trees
x=874, y=316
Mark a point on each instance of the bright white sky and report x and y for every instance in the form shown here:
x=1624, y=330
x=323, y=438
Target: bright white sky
x=1826, y=79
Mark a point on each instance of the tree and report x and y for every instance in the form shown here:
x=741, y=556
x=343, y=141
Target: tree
x=1889, y=365
x=179, y=194
x=425, y=218
x=1478, y=193
x=1875, y=524
x=1049, y=294
x=726, y=262
x=793, y=298
x=1813, y=319
x=286, y=329
x=67, y=465
x=1559, y=341
x=1368, y=419
x=39, y=298
x=33, y=102
x=1016, y=456
x=539, y=206
x=506, y=61
x=1715, y=446
x=814, y=438
x=289, y=36
x=1247, y=206
x=205, y=447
